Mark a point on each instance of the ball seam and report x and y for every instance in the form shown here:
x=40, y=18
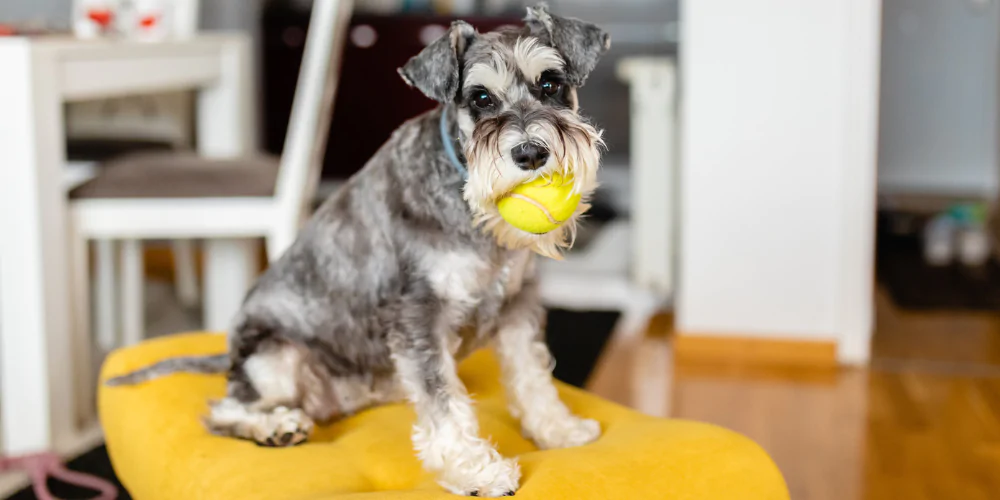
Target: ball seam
x=537, y=205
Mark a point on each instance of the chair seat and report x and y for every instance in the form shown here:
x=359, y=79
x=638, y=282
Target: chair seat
x=160, y=450
x=181, y=175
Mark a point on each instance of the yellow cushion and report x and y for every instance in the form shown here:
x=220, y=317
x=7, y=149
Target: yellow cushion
x=161, y=451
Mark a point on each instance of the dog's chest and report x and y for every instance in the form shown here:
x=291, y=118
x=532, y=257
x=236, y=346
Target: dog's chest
x=466, y=279
x=474, y=291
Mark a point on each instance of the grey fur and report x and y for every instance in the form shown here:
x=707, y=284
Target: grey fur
x=218, y=363
x=435, y=70
x=354, y=272
x=366, y=299
x=581, y=43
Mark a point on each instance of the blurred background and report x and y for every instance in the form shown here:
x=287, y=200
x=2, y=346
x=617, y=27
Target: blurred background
x=794, y=238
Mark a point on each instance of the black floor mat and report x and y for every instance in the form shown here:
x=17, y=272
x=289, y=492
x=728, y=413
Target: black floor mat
x=914, y=284
x=576, y=340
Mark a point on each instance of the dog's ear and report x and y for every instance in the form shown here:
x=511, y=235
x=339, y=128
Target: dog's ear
x=580, y=43
x=435, y=70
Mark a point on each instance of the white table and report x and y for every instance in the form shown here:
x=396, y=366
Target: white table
x=39, y=352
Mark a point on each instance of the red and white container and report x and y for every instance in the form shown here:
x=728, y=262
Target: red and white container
x=96, y=18
x=149, y=20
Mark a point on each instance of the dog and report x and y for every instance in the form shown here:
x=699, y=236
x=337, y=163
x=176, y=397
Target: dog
x=409, y=267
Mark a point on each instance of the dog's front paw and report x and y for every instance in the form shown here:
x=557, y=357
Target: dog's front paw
x=492, y=477
x=564, y=433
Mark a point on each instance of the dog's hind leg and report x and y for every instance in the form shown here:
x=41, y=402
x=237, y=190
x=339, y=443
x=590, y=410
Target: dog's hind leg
x=278, y=426
x=276, y=394
x=272, y=398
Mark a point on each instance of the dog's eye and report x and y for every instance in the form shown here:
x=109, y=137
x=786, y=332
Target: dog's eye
x=482, y=100
x=550, y=88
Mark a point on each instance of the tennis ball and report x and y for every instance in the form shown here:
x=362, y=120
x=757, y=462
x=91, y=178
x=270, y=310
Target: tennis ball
x=541, y=205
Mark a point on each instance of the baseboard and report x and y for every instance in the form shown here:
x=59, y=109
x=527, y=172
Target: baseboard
x=749, y=351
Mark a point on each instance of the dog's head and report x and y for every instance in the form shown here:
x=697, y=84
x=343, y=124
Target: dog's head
x=513, y=94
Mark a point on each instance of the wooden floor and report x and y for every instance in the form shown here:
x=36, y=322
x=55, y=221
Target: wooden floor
x=922, y=423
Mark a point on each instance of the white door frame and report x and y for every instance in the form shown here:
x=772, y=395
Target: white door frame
x=859, y=189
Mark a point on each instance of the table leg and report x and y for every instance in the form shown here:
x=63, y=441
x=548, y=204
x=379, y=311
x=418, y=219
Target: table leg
x=230, y=268
x=36, y=375
x=106, y=294
x=133, y=283
x=227, y=121
x=83, y=343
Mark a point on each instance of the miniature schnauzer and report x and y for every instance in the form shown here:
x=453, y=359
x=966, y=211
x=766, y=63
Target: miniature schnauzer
x=409, y=267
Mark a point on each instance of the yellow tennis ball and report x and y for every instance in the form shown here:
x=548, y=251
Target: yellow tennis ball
x=541, y=205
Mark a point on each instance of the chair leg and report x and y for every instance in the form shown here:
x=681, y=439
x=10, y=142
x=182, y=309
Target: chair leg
x=82, y=344
x=132, y=275
x=278, y=241
x=106, y=296
x=231, y=265
x=186, y=277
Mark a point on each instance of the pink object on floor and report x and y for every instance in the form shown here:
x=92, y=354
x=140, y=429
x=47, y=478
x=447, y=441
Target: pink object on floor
x=41, y=466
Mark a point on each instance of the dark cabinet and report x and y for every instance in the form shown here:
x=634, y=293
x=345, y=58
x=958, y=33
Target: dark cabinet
x=372, y=100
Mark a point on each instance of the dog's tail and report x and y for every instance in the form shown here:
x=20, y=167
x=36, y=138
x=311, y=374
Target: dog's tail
x=217, y=363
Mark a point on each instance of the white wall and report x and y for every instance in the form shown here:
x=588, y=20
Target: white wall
x=778, y=168
x=939, y=97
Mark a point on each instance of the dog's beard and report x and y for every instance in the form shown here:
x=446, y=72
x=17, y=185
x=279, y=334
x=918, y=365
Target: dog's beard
x=574, y=146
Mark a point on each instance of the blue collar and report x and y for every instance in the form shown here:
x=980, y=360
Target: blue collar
x=449, y=145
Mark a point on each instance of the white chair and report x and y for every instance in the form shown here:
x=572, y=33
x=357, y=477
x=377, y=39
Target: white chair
x=171, y=122
x=224, y=202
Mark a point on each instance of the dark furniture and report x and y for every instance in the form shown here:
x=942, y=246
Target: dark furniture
x=372, y=100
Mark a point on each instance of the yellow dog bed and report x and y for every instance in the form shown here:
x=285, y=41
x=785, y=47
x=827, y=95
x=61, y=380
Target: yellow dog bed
x=160, y=450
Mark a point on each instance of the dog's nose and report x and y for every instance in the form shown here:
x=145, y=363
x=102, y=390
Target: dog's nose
x=529, y=156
